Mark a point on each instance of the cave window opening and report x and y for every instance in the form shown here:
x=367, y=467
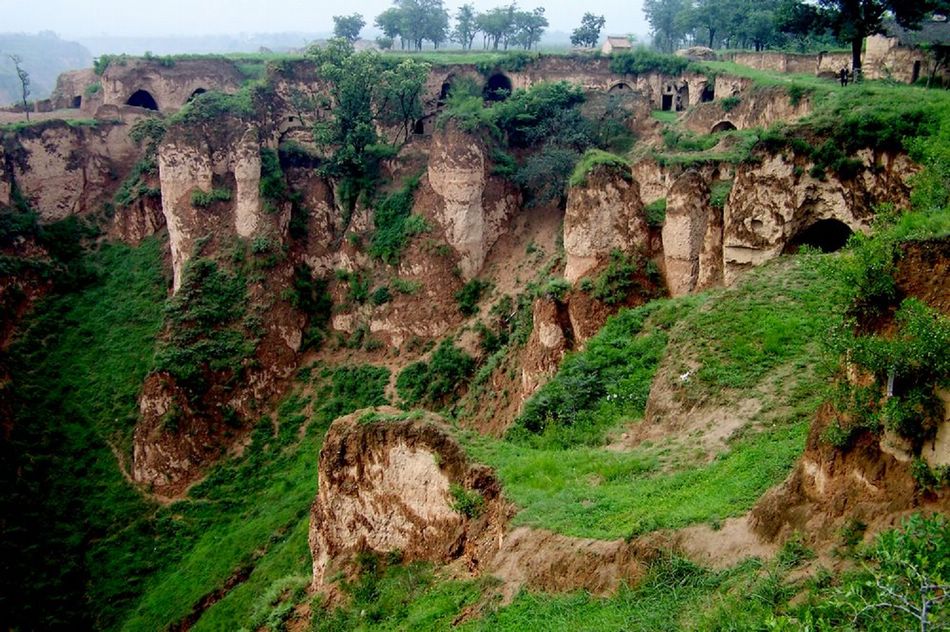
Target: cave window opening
x=723, y=126
x=77, y=102
x=827, y=235
x=667, y=102
x=498, y=88
x=195, y=94
x=142, y=99
x=682, y=99
x=620, y=87
x=444, y=94
x=708, y=94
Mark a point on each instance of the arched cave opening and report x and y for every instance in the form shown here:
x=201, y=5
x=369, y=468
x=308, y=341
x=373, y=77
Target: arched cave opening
x=142, y=99
x=620, y=87
x=666, y=104
x=708, y=94
x=419, y=128
x=723, y=126
x=827, y=235
x=682, y=98
x=498, y=87
x=195, y=94
x=77, y=102
x=444, y=94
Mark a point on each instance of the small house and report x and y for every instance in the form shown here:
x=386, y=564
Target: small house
x=616, y=45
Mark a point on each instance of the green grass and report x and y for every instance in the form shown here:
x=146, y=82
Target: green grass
x=252, y=510
x=665, y=116
x=746, y=337
x=593, y=159
x=74, y=528
x=111, y=559
x=589, y=492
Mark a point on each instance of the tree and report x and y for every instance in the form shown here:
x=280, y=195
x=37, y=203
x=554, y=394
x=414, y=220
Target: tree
x=436, y=22
x=24, y=77
x=528, y=27
x=348, y=27
x=912, y=576
x=496, y=24
x=666, y=22
x=390, y=23
x=854, y=20
x=466, y=27
x=588, y=33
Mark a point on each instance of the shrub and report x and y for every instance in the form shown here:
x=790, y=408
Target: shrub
x=719, y=193
x=395, y=225
x=204, y=325
x=203, y=199
x=655, y=213
x=645, y=61
x=728, y=104
x=469, y=503
x=382, y=295
x=596, y=158
x=610, y=378
x=355, y=387
x=273, y=187
x=469, y=296
x=432, y=383
x=618, y=280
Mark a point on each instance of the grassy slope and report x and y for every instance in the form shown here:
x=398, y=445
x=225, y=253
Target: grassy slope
x=77, y=373
x=745, y=337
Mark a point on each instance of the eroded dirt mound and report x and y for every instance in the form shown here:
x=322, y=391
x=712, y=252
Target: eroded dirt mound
x=392, y=483
x=550, y=562
x=830, y=488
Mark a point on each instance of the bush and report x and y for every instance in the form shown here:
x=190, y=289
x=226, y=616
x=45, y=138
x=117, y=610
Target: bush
x=645, y=61
x=592, y=388
x=203, y=199
x=395, y=224
x=615, y=284
x=434, y=382
x=596, y=158
x=656, y=213
x=204, y=323
x=273, y=187
x=469, y=296
x=469, y=503
x=719, y=193
x=728, y=104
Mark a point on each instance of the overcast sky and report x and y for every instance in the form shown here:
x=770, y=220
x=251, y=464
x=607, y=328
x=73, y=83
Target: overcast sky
x=75, y=18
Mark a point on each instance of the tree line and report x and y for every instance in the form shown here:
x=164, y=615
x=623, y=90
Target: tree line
x=413, y=23
x=761, y=24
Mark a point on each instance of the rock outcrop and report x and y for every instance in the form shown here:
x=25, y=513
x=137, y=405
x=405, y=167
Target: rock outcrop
x=391, y=483
x=189, y=167
x=775, y=200
x=475, y=207
x=604, y=214
x=394, y=482
x=64, y=170
x=692, y=237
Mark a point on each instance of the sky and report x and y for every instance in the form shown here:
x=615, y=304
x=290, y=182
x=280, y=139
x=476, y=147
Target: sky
x=76, y=19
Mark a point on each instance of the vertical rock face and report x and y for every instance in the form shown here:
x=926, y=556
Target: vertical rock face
x=182, y=169
x=64, y=170
x=388, y=483
x=550, y=339
x=603, y=214
x=474, y=209
x=774, y=201
x=692, y=236
x=187, y=167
